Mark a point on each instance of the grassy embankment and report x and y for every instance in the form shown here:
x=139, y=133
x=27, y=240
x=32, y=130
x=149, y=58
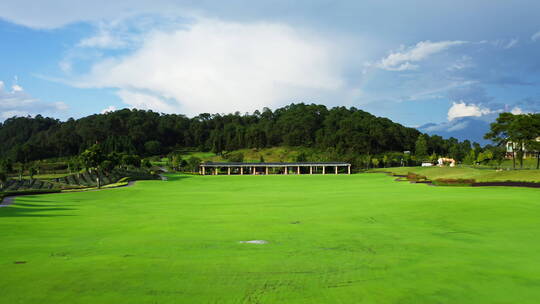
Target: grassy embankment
x=274, y=154
x=331, y=239
x=480, y=175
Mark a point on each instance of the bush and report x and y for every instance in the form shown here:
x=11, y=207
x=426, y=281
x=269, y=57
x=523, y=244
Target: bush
x=416, y=177
x=237, y=157
x=454, y=182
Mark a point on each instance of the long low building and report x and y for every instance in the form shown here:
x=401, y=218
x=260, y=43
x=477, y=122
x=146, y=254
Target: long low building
x=215, y=168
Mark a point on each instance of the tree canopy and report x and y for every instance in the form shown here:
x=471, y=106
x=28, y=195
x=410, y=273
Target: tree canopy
x=345, y=131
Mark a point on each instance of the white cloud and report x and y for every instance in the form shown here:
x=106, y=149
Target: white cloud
x=462, y=109
x=404, y=58
x=535, y=36
x=19, y=103
x=144, y=101
x=108, y=109
x=215, y=66
x=517, y=111
x=103, y=39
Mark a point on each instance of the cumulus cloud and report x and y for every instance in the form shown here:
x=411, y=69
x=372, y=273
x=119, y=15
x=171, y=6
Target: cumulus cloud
x=216, y=66
x=462, y=109
x=144, y=101
x=16, y=102
x=404, y=58
x=108, y=109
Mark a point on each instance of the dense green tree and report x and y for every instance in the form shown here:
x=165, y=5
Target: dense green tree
x=501, y=133
x=130, y=160
x=3, y=179
x=193, y=164
x=152, y=147
x=341, y=132
x=107, y=166
x=421, y=148
x=145, y=163
x=92, y=159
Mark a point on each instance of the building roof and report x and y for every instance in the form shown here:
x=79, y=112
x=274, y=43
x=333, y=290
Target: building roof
x=280, y=164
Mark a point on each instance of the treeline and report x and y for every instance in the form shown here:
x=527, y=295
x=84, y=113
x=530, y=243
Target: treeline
x=343, y=131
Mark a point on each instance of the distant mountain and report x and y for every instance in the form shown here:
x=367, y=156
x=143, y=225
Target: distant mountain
x=471, y=128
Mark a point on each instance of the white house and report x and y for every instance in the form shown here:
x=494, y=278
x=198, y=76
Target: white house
x=511, y=147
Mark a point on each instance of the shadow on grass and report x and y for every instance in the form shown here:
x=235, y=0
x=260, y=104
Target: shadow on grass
x=177, y=177
x=24, y=207
x=14, y=211
x=41, y=205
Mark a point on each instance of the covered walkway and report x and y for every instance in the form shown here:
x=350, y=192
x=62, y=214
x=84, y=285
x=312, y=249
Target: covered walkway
x=233, y=168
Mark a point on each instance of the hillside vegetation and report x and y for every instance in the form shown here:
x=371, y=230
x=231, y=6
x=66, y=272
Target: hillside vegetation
x=274, y=154
x=344, y=131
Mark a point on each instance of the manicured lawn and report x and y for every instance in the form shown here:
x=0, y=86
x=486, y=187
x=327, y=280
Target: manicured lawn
x=479, y=174
x=331, y=239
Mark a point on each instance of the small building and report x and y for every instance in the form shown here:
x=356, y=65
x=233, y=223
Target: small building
x=511, y=147
x=235, y=168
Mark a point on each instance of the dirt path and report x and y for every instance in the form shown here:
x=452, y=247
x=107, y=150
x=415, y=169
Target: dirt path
x=8, y=200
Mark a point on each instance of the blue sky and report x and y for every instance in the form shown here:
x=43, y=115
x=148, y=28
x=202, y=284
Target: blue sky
x=412, y=61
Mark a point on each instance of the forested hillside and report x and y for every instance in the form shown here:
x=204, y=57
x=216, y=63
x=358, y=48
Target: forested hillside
x=342, y=130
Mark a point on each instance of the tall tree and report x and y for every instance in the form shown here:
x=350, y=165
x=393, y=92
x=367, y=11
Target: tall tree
x=502, y=134
x=92, y=159
x=421, y=148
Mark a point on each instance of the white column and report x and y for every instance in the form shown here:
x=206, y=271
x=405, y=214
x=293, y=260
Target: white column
x=286, y=170
x=323, y=170
x=216, y=171
x=203, y=169
x=349, y=169
x=336, y=170
x=310, y=169
x=266, y=170
x=228, y=170
x=241, y=170
x=298, y=170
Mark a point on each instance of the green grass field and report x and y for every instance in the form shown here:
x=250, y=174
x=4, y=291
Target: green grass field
x=480, y=175
x=331, y=239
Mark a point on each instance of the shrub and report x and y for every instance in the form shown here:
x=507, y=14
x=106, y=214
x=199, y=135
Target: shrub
x=416, y=177
x=235, y=157
x=454, y=182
